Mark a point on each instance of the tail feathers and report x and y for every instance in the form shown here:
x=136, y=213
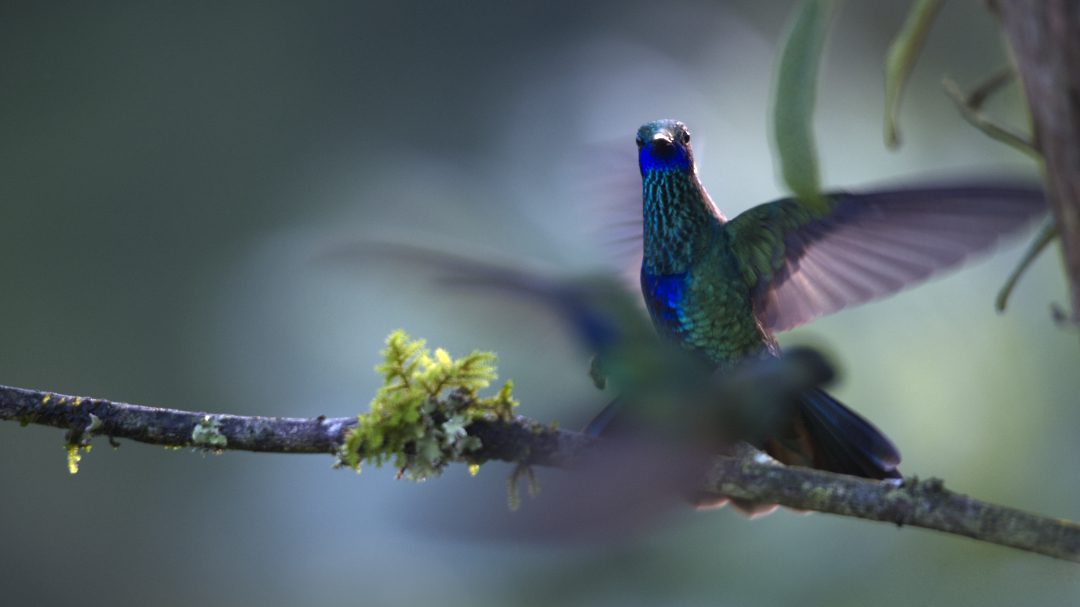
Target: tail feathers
x=603, y=420
x=826, y=435
x=842, y=441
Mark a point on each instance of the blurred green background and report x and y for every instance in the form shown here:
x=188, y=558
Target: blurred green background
x=169, y=171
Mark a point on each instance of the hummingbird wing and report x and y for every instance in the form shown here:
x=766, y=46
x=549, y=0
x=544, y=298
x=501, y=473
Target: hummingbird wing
x=604, y=181
x=597, y=309
x=802, y=264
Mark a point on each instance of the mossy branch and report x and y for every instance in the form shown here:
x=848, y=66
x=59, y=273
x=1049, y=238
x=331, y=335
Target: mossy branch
x=517, y=439
x=420, y=415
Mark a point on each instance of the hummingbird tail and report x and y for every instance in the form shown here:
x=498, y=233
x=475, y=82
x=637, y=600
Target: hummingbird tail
x=601, y=423
x=840, y=440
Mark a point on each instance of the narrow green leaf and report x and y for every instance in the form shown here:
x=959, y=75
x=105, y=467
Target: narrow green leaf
x=901, y=58
x=793, y=102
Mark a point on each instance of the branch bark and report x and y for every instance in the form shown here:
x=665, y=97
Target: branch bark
x=1045, y=39
x=916, y=503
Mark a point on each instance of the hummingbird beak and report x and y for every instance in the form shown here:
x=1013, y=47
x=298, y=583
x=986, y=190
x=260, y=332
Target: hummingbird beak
x=663, y=141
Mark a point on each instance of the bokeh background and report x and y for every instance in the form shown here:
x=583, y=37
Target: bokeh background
x=171, y=171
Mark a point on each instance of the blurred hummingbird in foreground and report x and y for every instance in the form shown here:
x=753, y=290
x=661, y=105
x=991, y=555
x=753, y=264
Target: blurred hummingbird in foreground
x=661, y=385
x=721, y=288
x=674, y=414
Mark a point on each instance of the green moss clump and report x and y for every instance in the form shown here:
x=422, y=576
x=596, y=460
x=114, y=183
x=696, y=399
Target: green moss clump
x=420, y=416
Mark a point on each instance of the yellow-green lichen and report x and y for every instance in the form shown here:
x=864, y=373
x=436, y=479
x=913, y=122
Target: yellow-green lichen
x=80, y=439
x=73, y=457
x=207, y=433
x=420, y=416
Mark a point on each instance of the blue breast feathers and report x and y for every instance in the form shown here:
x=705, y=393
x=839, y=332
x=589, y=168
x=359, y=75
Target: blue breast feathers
x=664, y=297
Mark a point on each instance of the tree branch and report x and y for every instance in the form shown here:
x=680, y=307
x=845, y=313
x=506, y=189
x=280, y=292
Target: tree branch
x=924, y=504
x=1045, y=39
x=927, y=504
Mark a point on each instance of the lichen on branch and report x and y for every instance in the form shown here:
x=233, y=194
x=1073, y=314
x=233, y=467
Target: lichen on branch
x=420, y=416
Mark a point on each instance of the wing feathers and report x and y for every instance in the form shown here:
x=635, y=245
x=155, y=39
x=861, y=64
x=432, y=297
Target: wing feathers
x=871, y=245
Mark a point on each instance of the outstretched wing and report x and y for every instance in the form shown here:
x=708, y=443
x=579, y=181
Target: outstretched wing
x=606, y=179
x=803, y=265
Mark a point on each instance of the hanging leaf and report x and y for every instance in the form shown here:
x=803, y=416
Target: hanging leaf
x=793, y=102
x=901, y=58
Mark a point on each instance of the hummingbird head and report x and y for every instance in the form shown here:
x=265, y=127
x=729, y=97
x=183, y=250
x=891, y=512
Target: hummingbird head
x=664, y=145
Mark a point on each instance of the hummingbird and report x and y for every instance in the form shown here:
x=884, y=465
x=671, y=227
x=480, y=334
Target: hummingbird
x=721, y=289
x=663, y=392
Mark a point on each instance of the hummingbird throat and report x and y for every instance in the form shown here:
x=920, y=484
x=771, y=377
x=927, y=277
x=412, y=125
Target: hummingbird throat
x=679, y=219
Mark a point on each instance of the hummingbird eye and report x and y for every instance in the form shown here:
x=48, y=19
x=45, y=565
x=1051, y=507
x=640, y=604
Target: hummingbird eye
x=685, y=137
x=640, y=142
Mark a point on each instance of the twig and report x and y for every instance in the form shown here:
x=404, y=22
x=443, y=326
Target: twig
x=1047, y=234
x=924, y=504
x=970, y=107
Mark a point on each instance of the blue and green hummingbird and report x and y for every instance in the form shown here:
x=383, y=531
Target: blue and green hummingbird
x=722, y=288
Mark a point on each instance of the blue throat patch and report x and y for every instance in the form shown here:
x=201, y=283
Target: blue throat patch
x=676, y=160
